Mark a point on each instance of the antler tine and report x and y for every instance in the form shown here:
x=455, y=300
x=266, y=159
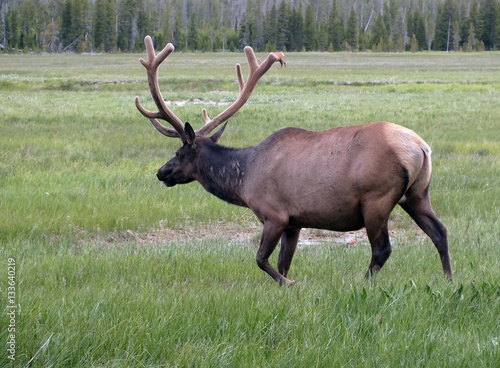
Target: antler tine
x=256, y=71
x=164, y=113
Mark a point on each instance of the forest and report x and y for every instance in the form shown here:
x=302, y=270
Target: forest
x=267, y=25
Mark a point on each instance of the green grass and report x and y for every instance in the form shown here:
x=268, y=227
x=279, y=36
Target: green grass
x=113, y=269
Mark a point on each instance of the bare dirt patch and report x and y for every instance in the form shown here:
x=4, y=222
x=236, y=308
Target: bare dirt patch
x=195, y=102
x=245, y=235
x=249, y=234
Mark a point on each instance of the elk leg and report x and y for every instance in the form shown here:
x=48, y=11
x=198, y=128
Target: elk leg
x=376, y=229
x=270, y=237
x=420, y=210
x=288, y=245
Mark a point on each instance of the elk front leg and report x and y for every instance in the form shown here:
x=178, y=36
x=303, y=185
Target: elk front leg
x=270, y=237
x=288, y=245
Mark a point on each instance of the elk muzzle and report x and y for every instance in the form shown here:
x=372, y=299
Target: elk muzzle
x=172, y=173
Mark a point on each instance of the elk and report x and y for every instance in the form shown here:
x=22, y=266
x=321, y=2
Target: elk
x=341, y=179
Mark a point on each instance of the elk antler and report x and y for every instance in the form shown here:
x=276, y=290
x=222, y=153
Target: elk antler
x=163, y=112
x=256, y=71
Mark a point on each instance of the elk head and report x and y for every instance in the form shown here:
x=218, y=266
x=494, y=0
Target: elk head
x=181, y=168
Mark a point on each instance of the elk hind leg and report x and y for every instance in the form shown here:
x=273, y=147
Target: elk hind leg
x=378, y=235
x=289, y=242
x=420, y=210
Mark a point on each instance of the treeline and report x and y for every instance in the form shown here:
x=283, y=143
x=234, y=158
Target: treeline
x=213, y=25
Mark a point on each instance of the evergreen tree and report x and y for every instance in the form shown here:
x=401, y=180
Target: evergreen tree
x=414, y=44
x=497, y=28
x=430, y=33
x=387, y=17
x=167, y=30
x=255, y=24
x=420, y=32
x=351, y=31
x=271, y=26
x=364, y=40
x=77, y=19
x=99, y=24
x=323, y=35
x=471, y=39
x=144, y=26
x=456, y=36
x=284, y=31
x=110, y=25
x=297, y=29
x=310, y=30
x=178, y=34
x=243, y=33
x=192, y=36
x=398, y=33
x=12, y=29
x=410, y=24
x=488, y=16
x=446, y=16
x=3, y=25
x=336, y=30
x=474, y=15
x=379, y=32
x=66, y=23
x=126, y=24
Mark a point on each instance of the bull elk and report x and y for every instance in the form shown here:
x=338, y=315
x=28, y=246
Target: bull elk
x=340, y=179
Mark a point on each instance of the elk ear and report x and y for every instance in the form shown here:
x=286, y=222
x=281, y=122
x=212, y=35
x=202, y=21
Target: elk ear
x=215, y=137
x=190, y=134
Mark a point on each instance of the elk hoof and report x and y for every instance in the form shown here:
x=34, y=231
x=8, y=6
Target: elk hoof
x=286, y=282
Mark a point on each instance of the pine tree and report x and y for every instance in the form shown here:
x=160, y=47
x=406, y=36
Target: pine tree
x=178, y=35
x=387, y=17
x=488, y=16
x=66, y=22
x=471, y=39
x=446, y=16
x=99, y=24
x=336, y=28
x=144, y=26
x=126, y=24
x=283, y=26
x=420, y=32
x=297, y=29
x=414, y=44
x=310, y=30
x=497, y=29
x=379, y=32
x=323, y=35
x=110, y=25
x=351, y=31
x=168, y=24
x=456, y=36
x=430, y=33
x=271, y=26
x=192, y=36
x=398, y=32
x=255, y=24
x=12, y=29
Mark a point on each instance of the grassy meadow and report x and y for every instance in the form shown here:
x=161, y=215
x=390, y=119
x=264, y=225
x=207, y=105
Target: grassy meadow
x=115, y=270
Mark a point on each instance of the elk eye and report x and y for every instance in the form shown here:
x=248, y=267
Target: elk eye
x=177, y=154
